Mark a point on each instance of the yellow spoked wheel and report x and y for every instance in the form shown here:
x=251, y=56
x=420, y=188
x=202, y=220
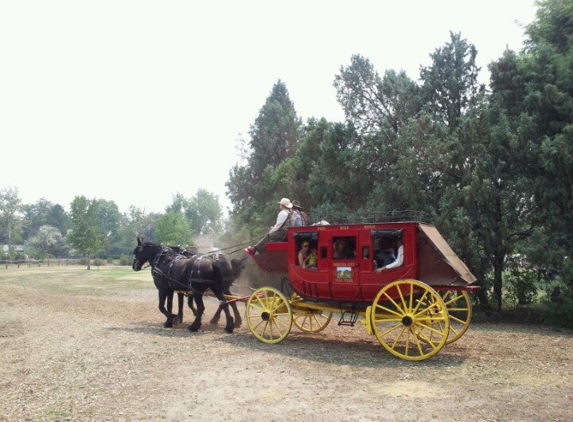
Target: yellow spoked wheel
x=459, y=309
x=410, y=319
x=311, y=320
x=269, y=315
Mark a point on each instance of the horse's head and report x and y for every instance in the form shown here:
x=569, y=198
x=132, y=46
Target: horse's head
x=238, y=266
x=143, y=252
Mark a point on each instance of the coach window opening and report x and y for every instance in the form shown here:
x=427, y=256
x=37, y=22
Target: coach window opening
x=385, y=244
x=344, y=247
x=311, y=238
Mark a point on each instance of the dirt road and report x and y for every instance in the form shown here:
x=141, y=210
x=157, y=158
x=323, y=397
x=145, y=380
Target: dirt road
x=68, y=357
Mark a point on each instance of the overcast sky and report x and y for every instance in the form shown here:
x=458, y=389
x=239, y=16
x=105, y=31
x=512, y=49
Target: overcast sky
x=135, y=101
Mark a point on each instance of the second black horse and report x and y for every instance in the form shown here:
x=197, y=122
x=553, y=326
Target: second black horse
x=194, y=274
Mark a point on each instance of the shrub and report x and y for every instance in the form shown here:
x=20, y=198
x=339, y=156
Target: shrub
x=125, y=260
x=559, y=309
x=521, y=286
x=98, y=262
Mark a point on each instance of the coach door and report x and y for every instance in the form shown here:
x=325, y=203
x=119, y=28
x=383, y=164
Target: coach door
x=345, y=277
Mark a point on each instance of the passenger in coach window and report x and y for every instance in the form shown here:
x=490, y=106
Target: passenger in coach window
x=342, y=249
x=399, y=259
x=306, y=256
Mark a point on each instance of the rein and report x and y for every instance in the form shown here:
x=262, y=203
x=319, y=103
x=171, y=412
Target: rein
x=239, y=247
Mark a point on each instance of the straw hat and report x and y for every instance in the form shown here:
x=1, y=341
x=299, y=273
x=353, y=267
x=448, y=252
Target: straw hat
x=296, y=204
x=285, y=202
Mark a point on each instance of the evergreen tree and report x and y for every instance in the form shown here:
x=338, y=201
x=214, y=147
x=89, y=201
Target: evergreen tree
x=273, y=138
x=373, y=104
x=450, y=83
x=535, y=88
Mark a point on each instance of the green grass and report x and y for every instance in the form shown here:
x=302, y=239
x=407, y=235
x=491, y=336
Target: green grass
x=77, y=280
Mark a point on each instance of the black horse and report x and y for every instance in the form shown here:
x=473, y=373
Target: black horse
x=194, y=274
x=166, y=294
x=231, y=268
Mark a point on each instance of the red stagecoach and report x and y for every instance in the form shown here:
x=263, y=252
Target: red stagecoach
x=413, y=309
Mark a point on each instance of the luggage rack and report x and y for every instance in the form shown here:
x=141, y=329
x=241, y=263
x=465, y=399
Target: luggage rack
x=364, y=218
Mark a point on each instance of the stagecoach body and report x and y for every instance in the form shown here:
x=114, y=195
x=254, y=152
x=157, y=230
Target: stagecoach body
x=413, y=309
x=427, y=257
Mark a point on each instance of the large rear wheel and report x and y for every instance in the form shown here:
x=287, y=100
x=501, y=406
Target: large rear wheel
x=459, y=309
x=269, y=315
x=410, y=319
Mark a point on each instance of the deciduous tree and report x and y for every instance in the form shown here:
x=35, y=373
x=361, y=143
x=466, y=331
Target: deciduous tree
x=86, y=236
x=10, y=220
x=48, y=241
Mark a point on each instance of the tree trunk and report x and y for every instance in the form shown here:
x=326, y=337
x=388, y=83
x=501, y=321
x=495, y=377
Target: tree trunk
x=481, y=293
x=497, y=280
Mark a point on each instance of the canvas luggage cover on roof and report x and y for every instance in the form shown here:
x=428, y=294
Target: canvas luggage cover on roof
x=439, y=264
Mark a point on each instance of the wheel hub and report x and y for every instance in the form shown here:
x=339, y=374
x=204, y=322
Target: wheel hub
x=266, y=316
x=407, y=320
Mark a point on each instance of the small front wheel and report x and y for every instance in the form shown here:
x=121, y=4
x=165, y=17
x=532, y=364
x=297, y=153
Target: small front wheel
x=269, y=315
x=311, y=320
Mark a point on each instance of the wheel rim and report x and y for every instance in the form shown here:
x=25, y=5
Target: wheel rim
x=459, y=309
x=410, y=320
x=311, y=321
x=269, y=315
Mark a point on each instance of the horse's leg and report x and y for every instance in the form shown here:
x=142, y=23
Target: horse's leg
x=198, y=296
x=238, y=319
x=236, y=313
x=190, y=303
x=180, y=298
x=225, y=306
x=217, y=315
x=172, y=316
x=162, y=298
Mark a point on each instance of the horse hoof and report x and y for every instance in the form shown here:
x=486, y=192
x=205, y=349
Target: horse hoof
x=214, y=321
x=193, y=328
x=238, y=324
x=168, y=324
x=229, y=330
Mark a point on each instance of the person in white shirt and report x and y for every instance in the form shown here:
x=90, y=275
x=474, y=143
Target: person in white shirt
x=399, y=258
x=277, y=233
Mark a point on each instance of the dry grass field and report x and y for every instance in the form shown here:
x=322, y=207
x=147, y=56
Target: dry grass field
x=79, y=345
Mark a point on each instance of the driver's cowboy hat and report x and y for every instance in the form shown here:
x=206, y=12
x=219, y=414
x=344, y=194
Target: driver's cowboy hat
x=296, y=204
x=286, y=202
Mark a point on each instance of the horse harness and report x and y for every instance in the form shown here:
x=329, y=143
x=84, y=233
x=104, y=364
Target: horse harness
x=194, y=277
